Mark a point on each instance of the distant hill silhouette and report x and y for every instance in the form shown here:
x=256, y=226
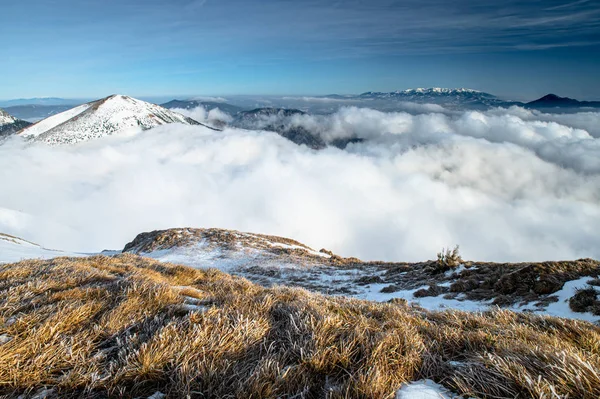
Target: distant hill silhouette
x=552, y=101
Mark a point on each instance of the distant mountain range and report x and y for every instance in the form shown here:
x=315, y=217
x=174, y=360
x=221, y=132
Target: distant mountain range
x=39, y=101
x=101, y=118
x=116, y=113
x=436, y=95
x=34, y=112
x=470, y=98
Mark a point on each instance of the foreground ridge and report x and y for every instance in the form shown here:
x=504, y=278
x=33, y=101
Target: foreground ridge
x=558, y=288
x=132, y=327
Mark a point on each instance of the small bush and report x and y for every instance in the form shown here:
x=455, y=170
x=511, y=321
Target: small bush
x=448, y=259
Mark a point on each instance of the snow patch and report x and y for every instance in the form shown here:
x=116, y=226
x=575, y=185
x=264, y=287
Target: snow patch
x=561, y=307
x=424, y=389
x=430, y=302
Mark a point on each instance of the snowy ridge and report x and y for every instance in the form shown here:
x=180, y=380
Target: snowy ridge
x=111, y=115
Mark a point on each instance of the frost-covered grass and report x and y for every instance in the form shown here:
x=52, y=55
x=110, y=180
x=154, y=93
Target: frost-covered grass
x=128, y=326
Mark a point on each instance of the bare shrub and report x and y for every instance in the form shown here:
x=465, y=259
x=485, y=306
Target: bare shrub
x=448, y=259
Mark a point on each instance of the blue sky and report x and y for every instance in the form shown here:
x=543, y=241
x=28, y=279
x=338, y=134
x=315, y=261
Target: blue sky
x=91, y=48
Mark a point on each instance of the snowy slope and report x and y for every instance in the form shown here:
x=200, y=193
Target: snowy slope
x=111, y=115
x=14, y=249
x=53, y=121
x=9, y=124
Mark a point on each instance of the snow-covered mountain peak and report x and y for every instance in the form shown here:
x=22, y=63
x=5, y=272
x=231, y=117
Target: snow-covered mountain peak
x=110, y=115
x=6, y=118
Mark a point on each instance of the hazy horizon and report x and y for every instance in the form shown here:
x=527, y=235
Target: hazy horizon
x=224, y=97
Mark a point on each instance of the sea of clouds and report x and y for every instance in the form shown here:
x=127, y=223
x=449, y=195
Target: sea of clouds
x=505, y=184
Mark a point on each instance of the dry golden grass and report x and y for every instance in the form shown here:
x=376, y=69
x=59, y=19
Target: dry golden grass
x=127, y=326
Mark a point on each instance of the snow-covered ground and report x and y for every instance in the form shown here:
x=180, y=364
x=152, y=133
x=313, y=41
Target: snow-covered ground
x=312, y=270
x=424, y=389
x=561, y=307
x=13, y=249
x=373, y=293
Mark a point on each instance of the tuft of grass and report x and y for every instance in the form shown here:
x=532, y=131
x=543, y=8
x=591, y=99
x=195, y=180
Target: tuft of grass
x=128, y=326
x=585, y=300
x=595, y=282
x=432, y=290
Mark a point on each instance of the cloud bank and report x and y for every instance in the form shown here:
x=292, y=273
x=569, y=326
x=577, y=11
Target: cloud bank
x=507, y=185
x=213, y=117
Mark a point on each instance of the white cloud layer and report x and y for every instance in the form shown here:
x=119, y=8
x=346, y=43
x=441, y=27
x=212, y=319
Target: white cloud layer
x=200, y=114
x=504, y=184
